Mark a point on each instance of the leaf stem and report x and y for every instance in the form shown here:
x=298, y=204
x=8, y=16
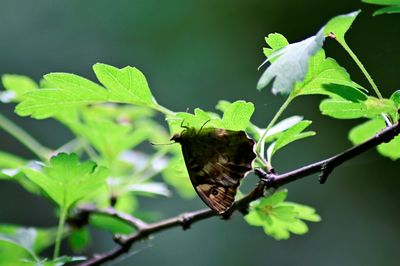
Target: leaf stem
x=163, y=109
x=60, y=231
x=22, y=136
x=362, y=68
x=261, y=142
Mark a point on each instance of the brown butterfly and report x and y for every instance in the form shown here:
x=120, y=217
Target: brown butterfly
x=216, y=159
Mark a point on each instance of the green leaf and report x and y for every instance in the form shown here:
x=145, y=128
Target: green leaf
x=26, y=243
x=68, y=92
x=345, y=92
x=391, y=149
x=16, y=86
x=362, y=132
x=126, y=85
x=22, y=237
x=279, y=218
x=237, y=115
x=367, y=130
x=66, y=180
x=339, y=25
x=393, y=6
x=388, y=10
x=382, y=2
x=395, y=97
x=197, y=120
x=342, y=109
x=274, y=199
x=276, y=41
x=107, y=136
x=290, y=64
x=79, y=239
x=290, y=135
x=376, y=107
x=323, y=71
x=296, y=62
x=8, y=160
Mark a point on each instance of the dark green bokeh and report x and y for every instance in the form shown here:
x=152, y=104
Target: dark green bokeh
x=193, y=54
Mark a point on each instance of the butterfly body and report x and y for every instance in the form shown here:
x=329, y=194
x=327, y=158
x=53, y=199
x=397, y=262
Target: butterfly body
x=216, y=159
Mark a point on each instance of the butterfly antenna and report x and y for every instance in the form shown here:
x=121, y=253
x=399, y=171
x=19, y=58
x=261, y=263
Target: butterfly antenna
x=209, y=120
x=182, y=126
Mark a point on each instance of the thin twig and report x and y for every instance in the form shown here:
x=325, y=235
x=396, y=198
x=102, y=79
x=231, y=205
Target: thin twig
x=129, y=219
x=267, y=180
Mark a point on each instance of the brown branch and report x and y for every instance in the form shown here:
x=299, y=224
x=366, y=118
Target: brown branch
x=267, y=180
x=325, y=167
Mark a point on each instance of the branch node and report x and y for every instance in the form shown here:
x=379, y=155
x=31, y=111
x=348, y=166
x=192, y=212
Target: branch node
x=185, y=220
x=326, y=170
x=267, y=178
x=119, y=239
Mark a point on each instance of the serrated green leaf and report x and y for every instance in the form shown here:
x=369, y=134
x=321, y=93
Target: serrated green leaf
x=276, y=41
x=17, y=85
x=339, y=25
x=237, y=115
x=68, y=92
x=79, y=239
x=126, y=85
x=292, y=134
x=290, y=64
x=66, y=180
x=199, y=119
x=322, y=71
x=342, y=109
x=279, y=218
x=109, y=137
x=277, y=197
x=304, y=212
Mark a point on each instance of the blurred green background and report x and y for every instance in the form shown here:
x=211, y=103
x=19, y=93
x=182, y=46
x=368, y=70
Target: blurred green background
x=195, y=53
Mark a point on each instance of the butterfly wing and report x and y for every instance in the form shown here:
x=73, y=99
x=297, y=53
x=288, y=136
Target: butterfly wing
x=217, y=159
